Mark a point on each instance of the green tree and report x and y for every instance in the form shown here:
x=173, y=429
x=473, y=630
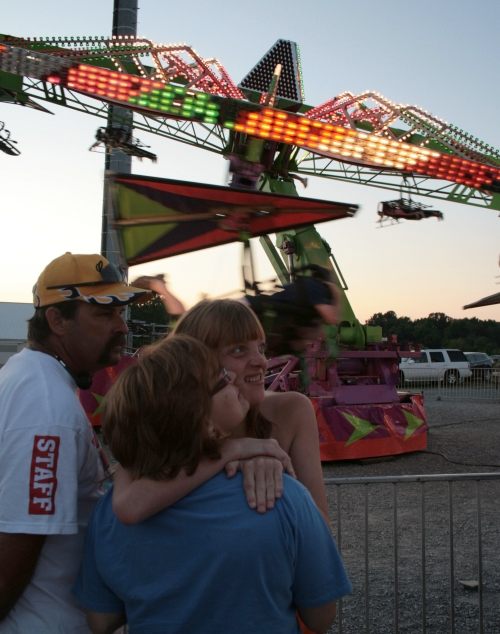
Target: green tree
x=441, y=331
x=152, y=311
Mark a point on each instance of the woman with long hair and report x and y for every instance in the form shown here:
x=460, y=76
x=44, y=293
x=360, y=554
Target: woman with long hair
x=231, y=329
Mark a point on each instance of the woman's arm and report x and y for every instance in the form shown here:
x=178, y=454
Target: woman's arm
x=296, y=430
x=330, y=313
x=319, y=618
x=136, y=500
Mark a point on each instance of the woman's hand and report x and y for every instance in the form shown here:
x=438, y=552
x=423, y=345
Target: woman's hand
x=262, y=462
x=262, y=482
x=235, y=449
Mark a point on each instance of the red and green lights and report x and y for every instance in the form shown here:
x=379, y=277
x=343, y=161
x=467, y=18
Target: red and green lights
x=338, y=142
x=266, y=123
x=141, y=93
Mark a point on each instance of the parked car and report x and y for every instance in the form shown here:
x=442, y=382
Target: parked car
x=439, y=364
x=481, y=365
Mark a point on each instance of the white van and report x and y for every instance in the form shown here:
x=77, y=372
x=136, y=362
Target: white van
x=439, y=364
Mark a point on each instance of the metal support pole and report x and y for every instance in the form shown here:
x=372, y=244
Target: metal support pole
x=124, y=23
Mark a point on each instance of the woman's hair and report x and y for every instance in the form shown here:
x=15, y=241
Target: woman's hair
x=156, y=415
x=219, y=323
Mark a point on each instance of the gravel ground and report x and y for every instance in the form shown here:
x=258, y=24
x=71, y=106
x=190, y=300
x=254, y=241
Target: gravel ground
x=413, y=550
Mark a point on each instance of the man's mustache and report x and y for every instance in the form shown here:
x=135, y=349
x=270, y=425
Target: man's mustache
x=115, y=341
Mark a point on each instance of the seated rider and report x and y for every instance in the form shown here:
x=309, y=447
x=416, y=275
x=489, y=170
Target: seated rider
x=293, y=316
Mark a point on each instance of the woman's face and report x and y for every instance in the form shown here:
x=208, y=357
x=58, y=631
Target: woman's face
x=229, y=406
x=249, y=364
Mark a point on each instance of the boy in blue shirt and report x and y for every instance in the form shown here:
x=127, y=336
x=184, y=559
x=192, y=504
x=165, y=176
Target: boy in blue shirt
x=207, y=564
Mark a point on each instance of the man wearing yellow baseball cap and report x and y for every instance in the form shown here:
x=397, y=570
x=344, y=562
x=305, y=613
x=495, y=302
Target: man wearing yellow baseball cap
x=91, y=278
x=49, y=465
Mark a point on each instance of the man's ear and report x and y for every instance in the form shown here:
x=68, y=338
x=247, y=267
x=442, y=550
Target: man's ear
x=55, y=320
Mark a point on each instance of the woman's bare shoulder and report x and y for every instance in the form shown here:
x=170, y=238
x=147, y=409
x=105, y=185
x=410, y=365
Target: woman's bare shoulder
x=276, y=403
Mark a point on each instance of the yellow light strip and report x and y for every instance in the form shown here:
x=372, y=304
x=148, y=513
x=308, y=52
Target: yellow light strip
x=360, y=147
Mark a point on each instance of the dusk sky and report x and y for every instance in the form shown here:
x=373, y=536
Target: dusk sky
x=442, y=56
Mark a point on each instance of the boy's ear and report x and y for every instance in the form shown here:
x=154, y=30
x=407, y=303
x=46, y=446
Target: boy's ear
x=55, y=320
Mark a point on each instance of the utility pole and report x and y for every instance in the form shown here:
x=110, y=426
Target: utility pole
x=124, y=23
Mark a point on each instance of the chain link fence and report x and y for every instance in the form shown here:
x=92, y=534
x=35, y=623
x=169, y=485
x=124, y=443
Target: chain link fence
x=483, y=385
x=422, y=551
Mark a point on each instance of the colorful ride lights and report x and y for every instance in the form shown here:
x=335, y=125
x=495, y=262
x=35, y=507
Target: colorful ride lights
x=327, y=139
x=354, y=146
x=142, y=93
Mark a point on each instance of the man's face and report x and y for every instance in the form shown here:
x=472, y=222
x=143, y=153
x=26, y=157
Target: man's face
x=95, y=337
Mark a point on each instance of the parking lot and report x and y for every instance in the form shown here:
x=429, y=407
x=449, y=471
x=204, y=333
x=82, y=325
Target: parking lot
x=424, y=552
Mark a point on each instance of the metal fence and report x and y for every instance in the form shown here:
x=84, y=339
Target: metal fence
x=423, y=553
x=483, y=385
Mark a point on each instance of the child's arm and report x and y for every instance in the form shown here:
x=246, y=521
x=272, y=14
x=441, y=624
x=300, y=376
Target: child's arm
x=136, y=500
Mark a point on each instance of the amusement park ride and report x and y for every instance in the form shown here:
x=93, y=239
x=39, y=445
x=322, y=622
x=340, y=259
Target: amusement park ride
x=272, y=140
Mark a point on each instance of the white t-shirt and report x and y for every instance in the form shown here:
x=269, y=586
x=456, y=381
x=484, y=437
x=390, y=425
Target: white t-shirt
x=49, y=474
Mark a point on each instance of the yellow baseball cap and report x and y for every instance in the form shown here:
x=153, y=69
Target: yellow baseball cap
x=90, y=278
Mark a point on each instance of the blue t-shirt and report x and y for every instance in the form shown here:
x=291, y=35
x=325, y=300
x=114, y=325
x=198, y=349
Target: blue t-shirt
x=297, y=299
x=306, y=290
x=210, y=564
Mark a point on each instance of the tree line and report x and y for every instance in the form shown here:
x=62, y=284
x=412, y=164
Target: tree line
x=435, y=331
x=440, y=331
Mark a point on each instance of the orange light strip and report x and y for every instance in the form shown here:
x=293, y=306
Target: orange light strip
x=111, y=84
x=346, y=144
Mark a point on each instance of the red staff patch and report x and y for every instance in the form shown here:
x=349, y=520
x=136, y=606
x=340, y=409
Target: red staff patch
x=43, y=475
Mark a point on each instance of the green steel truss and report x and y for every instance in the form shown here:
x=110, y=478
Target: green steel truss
x=370, y=111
